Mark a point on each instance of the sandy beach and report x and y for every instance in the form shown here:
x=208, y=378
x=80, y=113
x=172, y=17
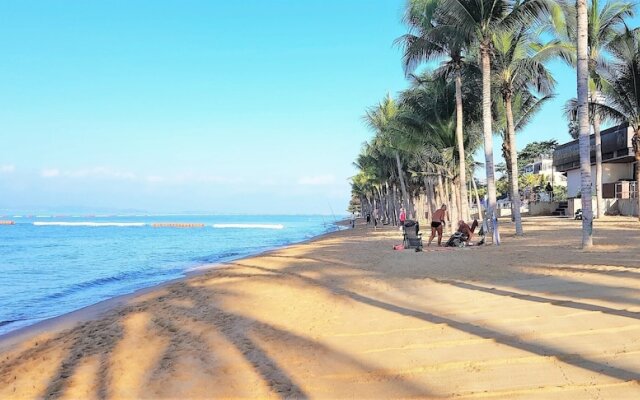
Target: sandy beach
x=345, y=316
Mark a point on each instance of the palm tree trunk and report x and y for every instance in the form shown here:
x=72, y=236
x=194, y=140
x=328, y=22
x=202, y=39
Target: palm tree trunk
x=388, y=204
x=395, y=201
x=469, y=198
x=405, y=198
x=506, y=154
x=459, y=201
x=422, y=207
x=380, y=208
x=431, y=196
x=513, y=159
x=475, y=189
x=447, y=198
x=488, y=135
x=439, y=192
x=411, y=212
x=455, y=211
x=387, y=200
x=583, y=124
x=464, y=210
x=596, y=131
x=638, y=180
x=635, y=142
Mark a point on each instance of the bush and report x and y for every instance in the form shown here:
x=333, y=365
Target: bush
x=559, y=193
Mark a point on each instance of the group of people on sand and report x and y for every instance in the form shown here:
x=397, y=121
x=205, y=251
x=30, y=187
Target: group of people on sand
x=438, y=220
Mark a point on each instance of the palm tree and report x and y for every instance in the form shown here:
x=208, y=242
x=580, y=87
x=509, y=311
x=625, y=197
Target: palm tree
x=524, y=107
x=379, y=119
x=478, y=20
x=427, y=125
x=424, y=44
x=518, y=69
x=622, y=95
x=582, y=33
x=604, y=23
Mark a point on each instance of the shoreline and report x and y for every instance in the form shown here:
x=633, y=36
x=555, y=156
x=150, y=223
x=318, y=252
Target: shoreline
x=346, y=316
x=91, y=312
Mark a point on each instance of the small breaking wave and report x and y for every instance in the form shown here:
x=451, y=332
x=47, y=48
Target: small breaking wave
x=129, y=276
x=7, y=322
x=248, y=226
x=95, y=224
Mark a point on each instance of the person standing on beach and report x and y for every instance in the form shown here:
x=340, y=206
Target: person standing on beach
x=353, y=220
x=437, y=223
x=549, y=190
x=403, y=216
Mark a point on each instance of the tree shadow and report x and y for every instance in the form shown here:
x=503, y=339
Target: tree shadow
x=633, y=274
x=247, y=335
x=483, y=332
x=539, y=299
x=107, y=338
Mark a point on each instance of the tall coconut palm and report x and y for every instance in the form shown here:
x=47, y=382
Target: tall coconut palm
x=582, y=66
x=524, y=106
x=518, y=69
x=478, y=20
x=427, y=123
x=605, y=22
x=423, y=44
x=379, y=119
x=622, y=95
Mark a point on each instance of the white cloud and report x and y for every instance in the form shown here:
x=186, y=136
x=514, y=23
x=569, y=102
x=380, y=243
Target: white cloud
x=112, y=174
x=268, y=182
x=97, y=172
x=154, y=179
x=100, y=172
x=317, y=180
x=50, y=173
x=7, y=169
x=190, y=178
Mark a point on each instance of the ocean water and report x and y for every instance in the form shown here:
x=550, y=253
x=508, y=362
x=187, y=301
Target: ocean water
x=50, y=266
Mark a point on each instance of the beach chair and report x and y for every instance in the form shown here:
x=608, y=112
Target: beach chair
x=412, y=238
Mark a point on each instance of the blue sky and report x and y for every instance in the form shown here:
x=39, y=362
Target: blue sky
x=169, y=106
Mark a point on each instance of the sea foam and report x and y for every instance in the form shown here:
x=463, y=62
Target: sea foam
x=96, y=224
x=248, y=226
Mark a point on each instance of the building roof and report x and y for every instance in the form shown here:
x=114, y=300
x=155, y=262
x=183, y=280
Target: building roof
x=616, y=148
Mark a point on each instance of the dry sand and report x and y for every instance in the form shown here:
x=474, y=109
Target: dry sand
x=347, y=317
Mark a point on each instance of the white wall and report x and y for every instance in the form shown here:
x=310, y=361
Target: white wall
x=611, y=172
x=573, y=182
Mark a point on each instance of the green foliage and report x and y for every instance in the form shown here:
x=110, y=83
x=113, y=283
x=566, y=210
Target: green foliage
x=559, y=193
x=354, y=205
x=529, y=181
x=535, y=149
x=482, y=192
x=449, y=36
x=502, y=187
x=622, y=95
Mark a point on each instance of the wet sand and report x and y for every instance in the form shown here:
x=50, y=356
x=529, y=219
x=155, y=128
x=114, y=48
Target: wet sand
x=346, y=316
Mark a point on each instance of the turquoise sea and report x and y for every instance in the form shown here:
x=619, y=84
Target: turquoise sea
x=52, y=265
